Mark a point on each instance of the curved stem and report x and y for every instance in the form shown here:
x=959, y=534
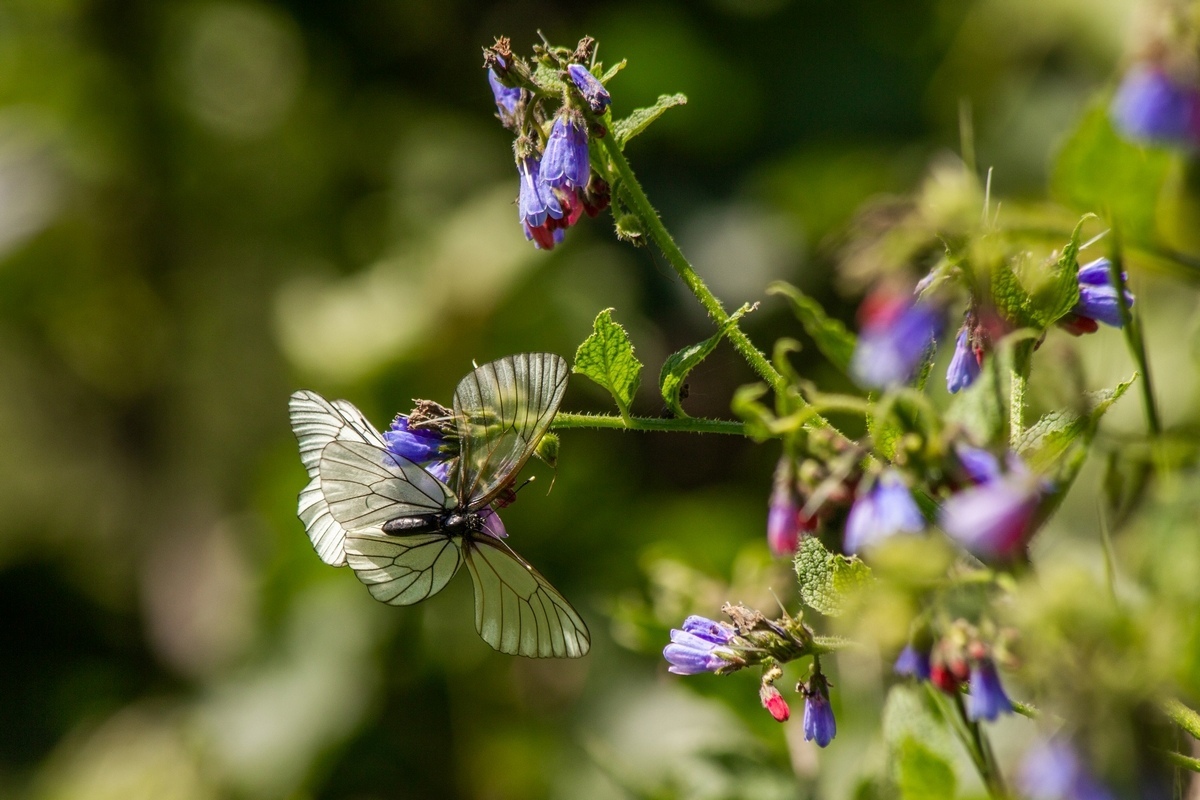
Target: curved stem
x=564, y=421
x=640, y=205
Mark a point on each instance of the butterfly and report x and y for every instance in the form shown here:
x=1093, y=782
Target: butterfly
x=405, y=532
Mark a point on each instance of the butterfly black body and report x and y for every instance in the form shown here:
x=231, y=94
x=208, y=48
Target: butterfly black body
x=453, y=523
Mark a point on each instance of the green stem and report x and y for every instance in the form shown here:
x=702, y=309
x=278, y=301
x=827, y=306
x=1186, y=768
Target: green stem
x=1132, y=328
x=1022, y=361
x=639, y=204
x=1180, y=760
x=1182, y=716
x=564, y=421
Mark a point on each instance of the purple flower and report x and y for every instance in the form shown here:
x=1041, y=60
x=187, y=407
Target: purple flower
x=914, y=663
x=492, y=524
x=419, y=445
x=885, y=510
x=964, y=366
x=593, y=91
x=1054, y=771
x=980, y=465
x=507, y=99
x=894, y=338
x=1097, y=297
x=1149, y=106
x=536, y=201
x=783, y=522
x=991, y=519
x=987, y=699
x=819, y=724
x=565, y=162
x=698, y=650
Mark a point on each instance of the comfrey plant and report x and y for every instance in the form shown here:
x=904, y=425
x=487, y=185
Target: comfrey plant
x=908, y=524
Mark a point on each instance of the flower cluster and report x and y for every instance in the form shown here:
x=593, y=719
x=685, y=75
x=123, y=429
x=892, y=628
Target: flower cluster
x=426, y=437
x=557, y=183
x=960, y=658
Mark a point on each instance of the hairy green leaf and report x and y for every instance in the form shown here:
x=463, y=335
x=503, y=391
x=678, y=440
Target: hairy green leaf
x=980, y=408
x=607, y=358
x=831, y=337
x=1045, y=443
x=826, y=578
x=677, y=366
x=920, y=773
x=629, y=127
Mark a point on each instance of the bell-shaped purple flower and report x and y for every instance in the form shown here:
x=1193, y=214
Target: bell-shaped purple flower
x=819, y=724
x=593, y=91
x=565, y=162
x=492, y=524
x=700, y=649
x=783, y=522
x=885, y=510
x=987, y=699
x=964, y=365
x=536, y=201
x=980, y=465
x=1097, y=297
x=895, y=336
x=1150, y=106
x=993, y=518
x=419, y=444
x=913, y=663
x=507, y=99
x=1053, y=771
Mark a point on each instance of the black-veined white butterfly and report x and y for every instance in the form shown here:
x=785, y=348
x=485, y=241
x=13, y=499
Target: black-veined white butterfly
x=405, y=533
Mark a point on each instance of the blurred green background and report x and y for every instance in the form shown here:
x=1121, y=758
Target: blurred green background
x=207, y=205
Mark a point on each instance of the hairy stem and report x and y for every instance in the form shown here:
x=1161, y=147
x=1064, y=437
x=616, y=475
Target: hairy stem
x=639, y=204
x=564, y=421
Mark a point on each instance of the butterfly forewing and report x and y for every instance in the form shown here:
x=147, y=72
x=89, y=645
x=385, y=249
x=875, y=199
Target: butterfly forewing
x=317, y=422
x=365, y=486
x=517, y=611
x=502, y=409
x=402, y=570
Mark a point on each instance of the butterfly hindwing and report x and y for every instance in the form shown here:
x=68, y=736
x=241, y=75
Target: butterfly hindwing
x=502, y=410
x=517, y=611
x=366, y=486
x=317, y=422
x=402, y=570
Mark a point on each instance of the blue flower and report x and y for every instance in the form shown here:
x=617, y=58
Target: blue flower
x=980, y=465
x=1097, y=297
x=492, y=524
x=1054, y=771
x=536, y=201
x=987, y=699
x=709, y=629
x=819, y=724
x=424, y=446
x=893, y=341
x=783, y=522
x=885, y=510
x=593, y=91
x=1151, y=107
x=914, y=663
x=507, y=99
x=691, y=653
x=964, y=366
x=992, y=518
x=565, y=162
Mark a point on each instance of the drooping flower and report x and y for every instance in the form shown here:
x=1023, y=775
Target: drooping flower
x=492, y=524
x=1054, y=771
x=913, y=663
x=992, y=518
x=819, y=724
x=699, y=647
x=1151, y=106
x=537, y=201
x=895, y=335
x=980, y=465
x=786, y=522
x=885, y=510
x=964, y=365
x=987, y=699
x=1097, y=297
x=424, y=446
x=565, y=162
x=593, y=91
x=507, y=98
x=773, y=702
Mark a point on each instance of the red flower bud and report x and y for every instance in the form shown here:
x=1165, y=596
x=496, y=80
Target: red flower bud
x=773, y=702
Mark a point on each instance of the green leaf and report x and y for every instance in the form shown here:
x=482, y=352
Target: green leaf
x=640, y=119
x=831, y=337
x=920, y=773
x=1010, y=296
x=612, y=71
x=1098, y=170
x=885, y=434
x=677, y=366
x=980, y=408
x=607, y=358
x=1059, y=291
x=760, y=421
x=1045, y=443
x=827, y=578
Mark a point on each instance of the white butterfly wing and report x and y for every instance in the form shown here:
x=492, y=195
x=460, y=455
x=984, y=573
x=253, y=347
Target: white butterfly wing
x=406, y=569
x=517, y=611
x=317, y=422
x=365, y=486
x=502, y=409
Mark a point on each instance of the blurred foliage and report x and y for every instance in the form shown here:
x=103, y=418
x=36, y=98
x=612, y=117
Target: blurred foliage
x=205, y=205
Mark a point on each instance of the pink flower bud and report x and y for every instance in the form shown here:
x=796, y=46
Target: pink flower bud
x=773, y=702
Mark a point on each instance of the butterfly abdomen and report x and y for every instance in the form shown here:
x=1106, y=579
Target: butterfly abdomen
x=451, y=522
